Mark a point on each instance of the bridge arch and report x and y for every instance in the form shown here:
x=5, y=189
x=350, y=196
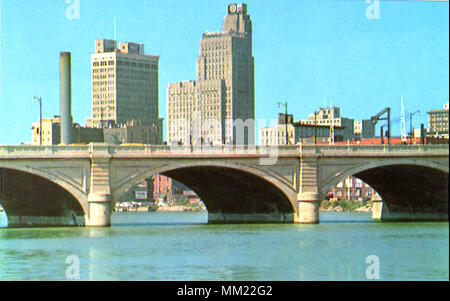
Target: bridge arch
x=406, y=185
x=229, y=190
x=334, y=179
x=34, y=197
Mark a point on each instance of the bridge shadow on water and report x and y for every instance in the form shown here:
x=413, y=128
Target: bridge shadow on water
x=159, y=224
x=159, y=219
x=171, y=219
x=348, y=222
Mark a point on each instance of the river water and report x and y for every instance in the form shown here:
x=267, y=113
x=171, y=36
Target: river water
x=180, y=246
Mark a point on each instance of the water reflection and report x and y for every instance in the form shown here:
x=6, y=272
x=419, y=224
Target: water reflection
x=170, y=250
x=347, y=218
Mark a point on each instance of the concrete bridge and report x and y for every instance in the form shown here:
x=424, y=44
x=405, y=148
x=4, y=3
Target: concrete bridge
x=77, y=185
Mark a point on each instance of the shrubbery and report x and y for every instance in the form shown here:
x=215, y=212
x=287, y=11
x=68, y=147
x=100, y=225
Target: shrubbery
x=343, y=204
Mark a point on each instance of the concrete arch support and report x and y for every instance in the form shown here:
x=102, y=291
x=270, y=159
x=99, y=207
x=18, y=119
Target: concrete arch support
x=99, y=210
x=308, y=208
x=308, y=197
x=99, y=199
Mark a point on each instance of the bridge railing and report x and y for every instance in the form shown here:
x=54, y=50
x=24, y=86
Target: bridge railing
x=306, y=149
x=200, y=150
x=43, y=150
x=72, y=151
x=376, y=149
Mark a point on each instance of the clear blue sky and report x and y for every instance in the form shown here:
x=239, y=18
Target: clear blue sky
x=305, y=51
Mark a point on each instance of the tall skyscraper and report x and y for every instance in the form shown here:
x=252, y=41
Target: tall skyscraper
x=224, y=91
x=124, y=85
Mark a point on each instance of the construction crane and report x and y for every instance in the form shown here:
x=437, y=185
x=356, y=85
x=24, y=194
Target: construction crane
x=377, y=118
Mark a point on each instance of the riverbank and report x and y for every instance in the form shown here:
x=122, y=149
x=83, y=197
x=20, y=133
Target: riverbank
x=325, y=206
x=174, y=208
x=179, y=208
x=345, y=206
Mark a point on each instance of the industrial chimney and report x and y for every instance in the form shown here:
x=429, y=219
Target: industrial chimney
x=65, y=98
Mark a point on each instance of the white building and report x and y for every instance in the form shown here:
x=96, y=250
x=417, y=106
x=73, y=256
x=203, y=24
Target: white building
x=124, y=85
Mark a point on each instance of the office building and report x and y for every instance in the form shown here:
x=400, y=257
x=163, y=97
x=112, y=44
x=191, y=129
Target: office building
x=205, y=111
x=363, y=129
x=331, y=117
x=51, y=133
x=438, y=122
x=124, y=85
x=326, y=125
x=298, y=132
x=131, y=133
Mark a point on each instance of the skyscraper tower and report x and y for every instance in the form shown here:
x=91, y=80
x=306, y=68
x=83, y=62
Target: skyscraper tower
x=224, y=90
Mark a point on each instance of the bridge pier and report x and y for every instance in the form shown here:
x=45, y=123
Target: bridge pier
x=377, y=208
x=99, y=210
x=381, y=213
x=99, y=198
x=308, y=208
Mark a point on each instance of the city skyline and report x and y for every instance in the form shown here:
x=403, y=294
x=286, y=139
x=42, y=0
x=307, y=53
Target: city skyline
x=331, y=50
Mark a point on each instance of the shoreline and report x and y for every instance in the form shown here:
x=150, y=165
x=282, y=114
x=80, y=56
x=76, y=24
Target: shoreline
x=325, y=206
x=342, y=210
x=177, y=208
x=190, y=209
x=164, y=209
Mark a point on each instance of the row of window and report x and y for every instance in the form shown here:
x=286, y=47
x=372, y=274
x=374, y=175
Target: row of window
x=103, y=102
x=104, y=95
x=105, y=115
x=103, y=82
x=103, y=63
x=100, y=70
x=137, y=65
x=202, y=101
x=104, y=89
x=103, y=76
x=342, y=193
x=192, y=108
x=438, y=118
x=125, y=64
x=185, y=116
x=138, y=77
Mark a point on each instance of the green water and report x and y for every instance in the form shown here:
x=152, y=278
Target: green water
x=179, y=246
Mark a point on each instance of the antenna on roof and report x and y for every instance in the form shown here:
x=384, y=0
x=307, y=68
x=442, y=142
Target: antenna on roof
x=402, y=125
